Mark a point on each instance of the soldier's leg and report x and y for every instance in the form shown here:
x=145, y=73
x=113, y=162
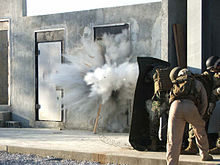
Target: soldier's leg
x=176, y=125
x=200, y=133
x=192, y=148
x=212, y=137
x=191, y=133
x=214, y=129
x=216, y=150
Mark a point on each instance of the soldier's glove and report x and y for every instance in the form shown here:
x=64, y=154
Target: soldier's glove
x=215, y=94
x=216, y=91
x=218, y=143
x=210, y=108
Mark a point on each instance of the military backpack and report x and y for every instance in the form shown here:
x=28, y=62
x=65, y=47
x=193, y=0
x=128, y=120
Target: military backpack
x=184, y=88
x=162, y=81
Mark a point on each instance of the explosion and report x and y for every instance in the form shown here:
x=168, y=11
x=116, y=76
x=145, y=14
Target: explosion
x=98, y=73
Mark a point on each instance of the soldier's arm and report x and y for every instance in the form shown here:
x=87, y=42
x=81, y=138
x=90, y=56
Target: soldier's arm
x=203, y=98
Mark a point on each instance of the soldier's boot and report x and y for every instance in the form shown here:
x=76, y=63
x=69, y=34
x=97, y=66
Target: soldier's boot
x=191, y=149
x=215, y=151
x=207, y=157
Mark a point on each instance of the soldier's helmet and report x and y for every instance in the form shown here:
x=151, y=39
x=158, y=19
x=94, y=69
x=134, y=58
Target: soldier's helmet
x=210, y=62
x=184, y=72
x=217, y=65
x=174, y=73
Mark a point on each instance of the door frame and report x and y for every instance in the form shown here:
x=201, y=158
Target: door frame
x=45, y=36
x=6, y=25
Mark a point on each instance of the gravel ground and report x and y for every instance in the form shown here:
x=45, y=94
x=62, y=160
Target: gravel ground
x=27, y=159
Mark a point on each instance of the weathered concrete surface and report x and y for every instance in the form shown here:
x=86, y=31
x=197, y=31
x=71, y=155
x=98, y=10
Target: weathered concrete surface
x=194, y=37
x=173, y=12
x=5, y=115
x=210, y=29
x=145, y=31
x=84, y=145
x=202, y=32
x=11, y=8
x=203, y=42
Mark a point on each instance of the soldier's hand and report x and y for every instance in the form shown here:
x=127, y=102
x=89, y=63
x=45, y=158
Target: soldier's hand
x=210, y=109
x=218, y=90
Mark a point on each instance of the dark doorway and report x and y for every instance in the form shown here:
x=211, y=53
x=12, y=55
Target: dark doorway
x=3, y=67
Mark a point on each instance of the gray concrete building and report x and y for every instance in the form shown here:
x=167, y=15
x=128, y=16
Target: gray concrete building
x=24, y=37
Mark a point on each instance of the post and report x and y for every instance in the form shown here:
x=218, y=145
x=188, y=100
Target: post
x=97, y=118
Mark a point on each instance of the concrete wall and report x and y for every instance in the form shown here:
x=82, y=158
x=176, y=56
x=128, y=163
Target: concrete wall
x=194, y=37
x=12, y=9
x=202, y=32
x=211, y=25
x=146, y=16
x=210, y=47
x=9, y=9
x=173, y=12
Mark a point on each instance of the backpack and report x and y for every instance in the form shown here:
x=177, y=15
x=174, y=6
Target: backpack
x=162, y=81
x=184, y=88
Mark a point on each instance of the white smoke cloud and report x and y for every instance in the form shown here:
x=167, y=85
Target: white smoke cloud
x=89, y=74
x=118, y=48
x=112, y=78
x=98, y=73
x=103, y=72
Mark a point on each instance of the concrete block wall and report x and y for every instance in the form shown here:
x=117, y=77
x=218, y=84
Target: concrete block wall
x=194, y=38
x=155, y=33
x=173, y=12
x=22, y=58
x=202, y=32
x=12, y=9
x=211, y=25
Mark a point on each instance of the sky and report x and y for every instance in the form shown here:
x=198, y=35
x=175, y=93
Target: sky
x=43, y=7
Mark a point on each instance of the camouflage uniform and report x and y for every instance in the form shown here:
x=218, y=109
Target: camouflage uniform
x=207, y=82
x=211, y=83
x=182, y=111
x=159, y=106
x=215, y=97
x=216, y=84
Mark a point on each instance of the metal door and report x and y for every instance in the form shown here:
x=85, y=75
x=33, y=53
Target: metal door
x=4, y=67
x=49, y=98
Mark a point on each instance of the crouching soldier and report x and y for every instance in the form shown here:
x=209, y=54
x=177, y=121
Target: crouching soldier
x=159, y=108
x=211, y=83
x=215, y=96
x=188, y=100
